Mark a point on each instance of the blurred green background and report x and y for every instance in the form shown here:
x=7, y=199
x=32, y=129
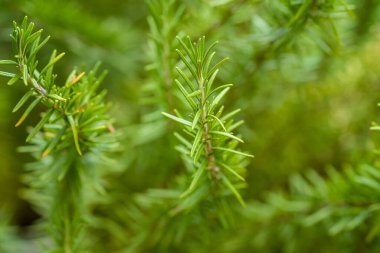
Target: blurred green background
x=307, y=81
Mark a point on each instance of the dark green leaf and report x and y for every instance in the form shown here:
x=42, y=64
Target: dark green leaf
x=233, y=151
x=40, y=124
x=227, y=135
x=180, y=120
x=22, y=101
x=194, y=182
x=28, y=110
x=233, y=189
x=75, y=133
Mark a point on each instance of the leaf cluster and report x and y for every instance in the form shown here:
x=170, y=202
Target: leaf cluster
x=207, y=141
x=76, y=112
x=72, y=137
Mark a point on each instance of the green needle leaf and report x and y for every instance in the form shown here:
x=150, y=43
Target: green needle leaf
x=25, y=74
x=52, y=62
x=228, y=168
x=233, y=151
x=180, y=120
x=188, y=65
x=194, y=182
x=7, y=62
x=27, y=111
x=183, y=140
x=233, y=190
x=186, y=95
x=6, y=74
x=195, y=93
x=219, y=121
x=188, y=52
x=219, y=88
x=75, y=133
x=22, y=101
x=40, y=124
x=14, y=79
x=230, y=115
x=197, y=141
x=52, y=143
x=187, y=80
x=215, y=68
x=196, y=119
x=210, y=81
x=216, y=101
x=227, y=135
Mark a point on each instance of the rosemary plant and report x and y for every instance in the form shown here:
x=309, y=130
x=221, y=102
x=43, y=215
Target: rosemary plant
x=69, y=142
x=303, y=72
x=344, y=205
x=207, y=139
x=163, y=21
x=156, y=94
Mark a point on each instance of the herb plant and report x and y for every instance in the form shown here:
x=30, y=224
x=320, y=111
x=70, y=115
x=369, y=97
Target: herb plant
x=167, y=166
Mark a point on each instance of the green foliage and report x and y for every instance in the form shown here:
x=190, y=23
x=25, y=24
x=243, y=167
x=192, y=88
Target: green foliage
x=156, y=94
x=343, y=203
x=9, y=242
x=305, y=77
x=208, y=144
x=69, y=141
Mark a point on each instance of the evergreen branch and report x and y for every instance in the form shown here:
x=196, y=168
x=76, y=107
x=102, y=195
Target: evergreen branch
x=163, y=20
x=340, y=203
x=71, y=138
x=165, y=16
x=210, y=143
x=157, y=91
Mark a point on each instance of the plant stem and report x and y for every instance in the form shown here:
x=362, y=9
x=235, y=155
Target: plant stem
x=67, y=239
x=68, y=205
x=167, y=75
x=211, y=163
